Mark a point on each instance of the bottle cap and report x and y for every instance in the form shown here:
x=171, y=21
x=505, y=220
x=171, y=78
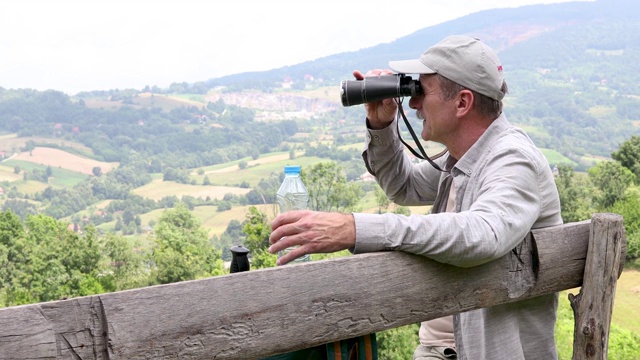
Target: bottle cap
x=292, y=169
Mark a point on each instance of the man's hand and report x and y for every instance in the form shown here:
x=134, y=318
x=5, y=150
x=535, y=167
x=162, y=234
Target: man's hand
x=314, y=232
x=381, y=113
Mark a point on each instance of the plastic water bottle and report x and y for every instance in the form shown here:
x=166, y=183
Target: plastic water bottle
x=292, y=195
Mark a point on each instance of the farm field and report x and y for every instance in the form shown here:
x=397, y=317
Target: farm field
x=215, y=222
x=554, y=157
x=255, y=171
x=7, y=173
x=625, y=307
x=144, y=100
x=30, y=187
x=11, y=143
x=625, y=302
x=158, y=189
x=61, y=159
x=260, y=161
x=59, y=177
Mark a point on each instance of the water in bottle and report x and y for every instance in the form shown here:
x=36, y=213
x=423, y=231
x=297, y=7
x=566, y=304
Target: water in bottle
x=292, y=195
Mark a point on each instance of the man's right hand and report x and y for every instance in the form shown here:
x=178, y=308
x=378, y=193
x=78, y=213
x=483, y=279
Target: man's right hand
x=314, y=232
x=381, y=113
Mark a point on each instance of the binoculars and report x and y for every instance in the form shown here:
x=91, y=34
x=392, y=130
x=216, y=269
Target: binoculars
x=376, y=88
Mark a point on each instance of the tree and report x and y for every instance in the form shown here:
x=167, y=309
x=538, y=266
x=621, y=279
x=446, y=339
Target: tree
x=97, y=171
x=125, y=264
x=21, y=208
x=12, y=236
x=629, y=156
x=629, y=208
x=223, y=206
x=402, y=210
x=257, y=231
x=611, y=180
x=328, y=188
x=382, y=200
x=182, y=250
x=574, y=195
x=50, y=262
x=398, y=343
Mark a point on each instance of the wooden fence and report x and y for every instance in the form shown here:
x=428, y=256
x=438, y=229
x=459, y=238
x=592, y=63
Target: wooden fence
x=253, y=314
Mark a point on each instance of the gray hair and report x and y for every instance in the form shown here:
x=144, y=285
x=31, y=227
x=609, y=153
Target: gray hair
x=485, y=105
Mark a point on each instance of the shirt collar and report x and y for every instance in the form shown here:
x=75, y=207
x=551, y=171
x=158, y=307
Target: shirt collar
x=472, y=157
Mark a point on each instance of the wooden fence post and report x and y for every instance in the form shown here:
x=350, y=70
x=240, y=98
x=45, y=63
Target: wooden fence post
x=592, y=307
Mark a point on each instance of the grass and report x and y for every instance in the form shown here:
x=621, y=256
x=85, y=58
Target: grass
x=59, y=178
x=625, y=308
x=625, y=316
x=534, y=131
x=7, y=173
x=233, y=165
x=158, y=189
x=13, y=144
x=602, y=111
x=146, y=100
x=625, y=304
x=66, y=178
x=167, y=103
x=57, y=158
x=196, y=99
x=214, y=221
x=255, y=171
x=30, y=186
x=554, y=157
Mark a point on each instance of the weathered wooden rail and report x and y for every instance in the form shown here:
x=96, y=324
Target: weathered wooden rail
x=253, y=314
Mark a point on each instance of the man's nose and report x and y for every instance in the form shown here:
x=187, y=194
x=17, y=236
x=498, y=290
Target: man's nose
x=415, y=102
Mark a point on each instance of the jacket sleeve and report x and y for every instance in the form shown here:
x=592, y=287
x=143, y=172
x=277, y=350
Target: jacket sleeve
x=404, y=182
x=505, y=206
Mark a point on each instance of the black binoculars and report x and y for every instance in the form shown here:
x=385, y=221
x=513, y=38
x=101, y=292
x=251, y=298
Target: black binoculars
x=376, y=88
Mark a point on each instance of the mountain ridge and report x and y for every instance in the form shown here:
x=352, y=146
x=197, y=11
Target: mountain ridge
x=529, y=22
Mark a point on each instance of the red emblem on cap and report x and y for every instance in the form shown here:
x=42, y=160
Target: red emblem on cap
x=499, y=67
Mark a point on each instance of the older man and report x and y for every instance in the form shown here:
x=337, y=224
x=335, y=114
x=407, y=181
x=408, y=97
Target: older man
x=496, y=186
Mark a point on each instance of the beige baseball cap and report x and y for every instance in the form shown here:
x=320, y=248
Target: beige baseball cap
x=462, y=59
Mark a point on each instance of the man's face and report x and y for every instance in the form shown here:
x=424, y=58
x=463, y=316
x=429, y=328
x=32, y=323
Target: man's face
x=437, y=115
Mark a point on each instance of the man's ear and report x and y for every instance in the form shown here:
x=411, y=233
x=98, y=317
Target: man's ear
x=464, y=102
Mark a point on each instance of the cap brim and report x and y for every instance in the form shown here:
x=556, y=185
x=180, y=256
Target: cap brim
x=410, y=67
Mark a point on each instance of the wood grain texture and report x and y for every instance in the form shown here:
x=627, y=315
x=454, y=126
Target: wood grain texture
x=593, y=306
x=253, y=314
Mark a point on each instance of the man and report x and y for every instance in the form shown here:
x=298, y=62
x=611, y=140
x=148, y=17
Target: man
x=496, y=181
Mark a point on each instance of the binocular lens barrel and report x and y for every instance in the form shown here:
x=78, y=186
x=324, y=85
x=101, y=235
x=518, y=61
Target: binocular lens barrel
x=376, y=88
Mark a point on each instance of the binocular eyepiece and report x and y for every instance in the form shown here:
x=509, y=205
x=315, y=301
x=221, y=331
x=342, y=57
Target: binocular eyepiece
x=376, y=88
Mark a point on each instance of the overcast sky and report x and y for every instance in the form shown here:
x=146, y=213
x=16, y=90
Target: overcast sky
x=86, y=45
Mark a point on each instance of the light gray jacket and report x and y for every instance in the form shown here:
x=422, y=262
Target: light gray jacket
x=504, y=188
